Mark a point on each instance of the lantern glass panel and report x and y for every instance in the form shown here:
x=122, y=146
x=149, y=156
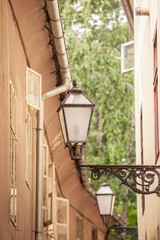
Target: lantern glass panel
x=104, y=204
x=113, y=200
x=77, y=121
x=61, y=117
x=104, y=189
x=77, y=98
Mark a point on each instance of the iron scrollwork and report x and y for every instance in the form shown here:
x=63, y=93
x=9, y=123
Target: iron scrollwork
x=130, y=231
x=142, y=179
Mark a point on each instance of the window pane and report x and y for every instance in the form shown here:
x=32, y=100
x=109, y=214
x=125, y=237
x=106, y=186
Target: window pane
x=44, y=160
x=45, y=215
x=16, y=162
x=28, y=147
x=50, y=170
x=11, y=199
x=13, y=155
x=33, y=88
x=45, y=192
x=61, y=211
x=127, y=57
x=79, y=228
x=15, y=116
x=15, y=204
x=47, y=186
x=94, y=234
x=50, y=207
x=62, y=232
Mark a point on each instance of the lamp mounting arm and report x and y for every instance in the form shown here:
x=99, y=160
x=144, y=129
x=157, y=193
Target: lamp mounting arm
x=131, y=230
x=142, y=179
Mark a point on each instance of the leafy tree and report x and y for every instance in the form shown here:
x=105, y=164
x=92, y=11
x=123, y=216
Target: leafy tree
x=94, y=32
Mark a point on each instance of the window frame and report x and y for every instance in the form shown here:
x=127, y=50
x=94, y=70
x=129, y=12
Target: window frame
x=123, y=70
x=13, y=155
x=47, y=187
x=82, y=228
x=28, y=127
x=63, y=225
x=94, y=233
x=30, y=103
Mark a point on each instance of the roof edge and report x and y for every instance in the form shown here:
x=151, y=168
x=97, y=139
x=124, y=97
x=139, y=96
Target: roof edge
x=129, y=14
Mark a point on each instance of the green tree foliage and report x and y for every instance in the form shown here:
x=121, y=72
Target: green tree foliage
x=94, y=32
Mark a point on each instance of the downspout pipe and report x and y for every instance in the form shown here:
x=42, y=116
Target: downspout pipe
x=39, y=175
x=57, y=30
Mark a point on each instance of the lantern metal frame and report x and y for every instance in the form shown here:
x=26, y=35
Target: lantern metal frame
x=106, y=217
x=133, y=176
x=105, y=184
x=75, y=147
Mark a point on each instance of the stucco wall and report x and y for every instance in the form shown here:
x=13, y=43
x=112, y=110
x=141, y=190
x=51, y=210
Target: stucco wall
x=24, y=42
x=88, y=226
x=145, y=26
x=13, y=68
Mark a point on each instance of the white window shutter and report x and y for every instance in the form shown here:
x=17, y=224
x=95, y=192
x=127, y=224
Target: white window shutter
x=47, y=187
x=33, y=88
x=127, y=57
x=62, y=218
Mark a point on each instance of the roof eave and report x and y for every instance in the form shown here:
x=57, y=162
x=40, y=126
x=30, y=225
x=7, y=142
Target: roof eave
x=129, y=14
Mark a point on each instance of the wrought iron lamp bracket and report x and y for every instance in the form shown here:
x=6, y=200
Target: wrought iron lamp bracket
x=142, y=179
x=131, y=230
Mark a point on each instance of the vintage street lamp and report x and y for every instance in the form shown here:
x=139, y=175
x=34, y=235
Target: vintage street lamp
x=105, y=200
x=75, y=115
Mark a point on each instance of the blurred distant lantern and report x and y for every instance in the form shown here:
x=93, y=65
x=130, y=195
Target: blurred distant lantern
x=105, y=200
x=75, y=115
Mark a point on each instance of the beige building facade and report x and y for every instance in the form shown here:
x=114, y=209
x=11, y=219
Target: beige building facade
x=147, y=102
x=146, y=14
x=31, y=54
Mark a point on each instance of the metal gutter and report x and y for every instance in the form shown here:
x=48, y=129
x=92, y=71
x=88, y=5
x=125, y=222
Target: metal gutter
x=60, y=46
x=39, y=175
x=129, y=14
x=61, y=51
x=85, y=177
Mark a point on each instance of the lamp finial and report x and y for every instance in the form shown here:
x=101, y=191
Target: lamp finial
x=74, y=83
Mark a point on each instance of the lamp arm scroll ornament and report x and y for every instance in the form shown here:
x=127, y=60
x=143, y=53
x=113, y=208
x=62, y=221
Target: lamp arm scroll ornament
x=142, y=179
x=75, y=113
